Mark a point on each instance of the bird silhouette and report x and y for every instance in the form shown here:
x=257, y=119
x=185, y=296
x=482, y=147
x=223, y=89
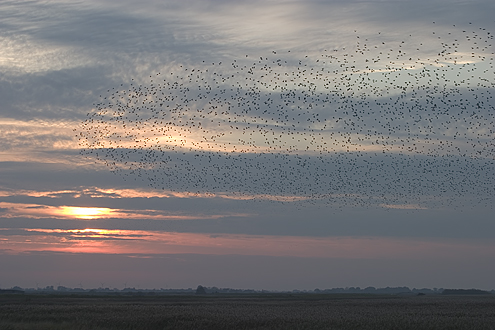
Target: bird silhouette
x=373, y=124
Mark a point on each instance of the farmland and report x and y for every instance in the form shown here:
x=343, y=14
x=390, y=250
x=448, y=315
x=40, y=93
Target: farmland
x=244, y=311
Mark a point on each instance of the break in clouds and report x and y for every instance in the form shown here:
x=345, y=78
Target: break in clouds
x=388, y=122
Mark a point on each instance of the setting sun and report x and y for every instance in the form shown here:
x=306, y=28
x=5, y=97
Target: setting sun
x=86, y=212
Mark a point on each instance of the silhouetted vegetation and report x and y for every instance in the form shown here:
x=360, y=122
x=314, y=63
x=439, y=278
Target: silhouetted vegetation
x=11, y=291
x=402, y=290
x=464, y=291
x=200, y=290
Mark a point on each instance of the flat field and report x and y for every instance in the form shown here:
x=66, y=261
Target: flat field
x=242, y=311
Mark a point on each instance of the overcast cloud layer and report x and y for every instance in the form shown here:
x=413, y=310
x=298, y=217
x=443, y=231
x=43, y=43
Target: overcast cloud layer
x=60, y=175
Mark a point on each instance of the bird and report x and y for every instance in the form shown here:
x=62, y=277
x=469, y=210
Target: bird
x=381, y=123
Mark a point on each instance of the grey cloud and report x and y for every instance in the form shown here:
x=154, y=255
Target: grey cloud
x=81, y=26
x=129, y=46
x=399, y=14
x=39, y=176
x=373, y=178
x=93, y=46
x=107, y=32
x=61, y=94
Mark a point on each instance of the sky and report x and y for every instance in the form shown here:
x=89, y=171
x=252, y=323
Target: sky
x=247, y=144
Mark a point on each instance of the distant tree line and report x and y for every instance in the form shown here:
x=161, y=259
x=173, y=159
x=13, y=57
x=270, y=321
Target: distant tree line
x=464, y=291
x=203, y=290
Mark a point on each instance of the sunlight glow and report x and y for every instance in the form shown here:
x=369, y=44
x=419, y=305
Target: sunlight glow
x=85, y=212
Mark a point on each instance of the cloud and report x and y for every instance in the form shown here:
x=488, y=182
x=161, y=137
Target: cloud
x=403, y=206
x=57, y=58
x=80, y=49
x=116, y=193
x=92, y=240
x=64, y=95
x=367, y=178
x=36, y=135
x=89, y=213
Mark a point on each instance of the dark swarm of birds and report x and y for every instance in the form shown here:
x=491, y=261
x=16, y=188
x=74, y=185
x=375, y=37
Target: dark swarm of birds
x=376, y=124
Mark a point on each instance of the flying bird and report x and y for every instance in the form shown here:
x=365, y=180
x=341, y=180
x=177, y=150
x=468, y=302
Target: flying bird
x=380, y=123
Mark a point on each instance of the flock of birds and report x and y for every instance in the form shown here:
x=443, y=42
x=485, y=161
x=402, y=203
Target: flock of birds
x=385, y=122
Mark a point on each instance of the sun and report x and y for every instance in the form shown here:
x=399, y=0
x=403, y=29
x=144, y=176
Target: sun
x=85, y=212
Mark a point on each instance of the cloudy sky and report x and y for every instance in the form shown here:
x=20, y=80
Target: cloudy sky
x=248, y=144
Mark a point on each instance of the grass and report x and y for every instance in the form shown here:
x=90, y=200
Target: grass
x=241, y=311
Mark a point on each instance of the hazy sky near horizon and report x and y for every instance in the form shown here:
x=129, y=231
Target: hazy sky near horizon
x=391, y=181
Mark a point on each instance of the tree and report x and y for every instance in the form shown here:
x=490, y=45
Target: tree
x=200, y=290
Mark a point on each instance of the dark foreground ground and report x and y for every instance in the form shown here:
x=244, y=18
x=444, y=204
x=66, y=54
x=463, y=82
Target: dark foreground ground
x=274, y=311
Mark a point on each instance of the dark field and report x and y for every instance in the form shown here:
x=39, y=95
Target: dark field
x=268, y=311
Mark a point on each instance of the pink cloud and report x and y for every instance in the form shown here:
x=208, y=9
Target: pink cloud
x=95, y=192
x=92, y=240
